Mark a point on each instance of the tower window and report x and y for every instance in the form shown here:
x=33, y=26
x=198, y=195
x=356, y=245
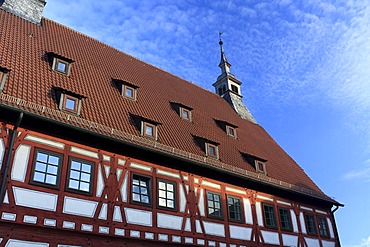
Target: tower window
x=234, y=89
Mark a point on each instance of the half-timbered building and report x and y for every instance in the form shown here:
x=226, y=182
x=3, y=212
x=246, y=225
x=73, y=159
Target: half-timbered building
x=98, y=148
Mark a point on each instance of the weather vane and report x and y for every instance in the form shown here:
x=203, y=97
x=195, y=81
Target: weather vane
x=219, y=34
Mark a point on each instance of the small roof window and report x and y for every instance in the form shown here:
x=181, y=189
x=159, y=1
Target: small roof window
x=61, y=64
x=149, y=129
x=128, y=90
x=69, y=101
x=3, y=75
x=184, y=111
x=230, y=129
x=211, y=150
x=256, y=162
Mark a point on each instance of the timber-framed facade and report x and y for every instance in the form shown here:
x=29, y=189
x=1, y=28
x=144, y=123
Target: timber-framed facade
x=150, y=161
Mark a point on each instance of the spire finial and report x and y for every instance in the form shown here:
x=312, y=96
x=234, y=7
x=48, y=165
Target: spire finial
x=221, y=43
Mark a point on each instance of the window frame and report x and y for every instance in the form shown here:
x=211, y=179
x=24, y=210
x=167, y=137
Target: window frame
x=208, y=148
x=174, y=184
x=209, y=215
x=3, y=77
x=228, y=128
x=182, y=115
x=275, y=226
x=144, y=124
x=289, y=219
x=63, y=103
x=33, y=169
x=149, y=188
x=307, y=224
x=326, y=227
x=234, y=88
x=91, y=182
x=240, y=208
x=258, y=169
x=124, y=94
x=56, y=61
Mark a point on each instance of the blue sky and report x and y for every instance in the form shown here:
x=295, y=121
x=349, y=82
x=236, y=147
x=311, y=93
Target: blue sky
x=304, y=64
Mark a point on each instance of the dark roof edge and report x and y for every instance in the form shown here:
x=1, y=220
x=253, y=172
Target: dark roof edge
x=151, y=145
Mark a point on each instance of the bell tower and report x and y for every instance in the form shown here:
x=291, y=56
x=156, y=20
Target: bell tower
x=30, y=10
x=228, y=87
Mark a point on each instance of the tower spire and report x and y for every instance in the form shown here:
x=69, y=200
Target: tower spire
x=228, y=86
x=224, y=64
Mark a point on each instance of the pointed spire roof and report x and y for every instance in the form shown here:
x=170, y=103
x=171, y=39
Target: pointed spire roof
x=224, y=64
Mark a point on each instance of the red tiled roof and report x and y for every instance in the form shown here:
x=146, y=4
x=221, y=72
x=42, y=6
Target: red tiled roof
x=24, y=47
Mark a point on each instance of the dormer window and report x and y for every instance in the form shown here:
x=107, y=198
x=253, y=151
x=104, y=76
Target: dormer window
x=260, y=166
x=61, y=64
x=3, y=75
x=128, y=90
x=69, y=101
x=185, y=113
x=149, y=130
x=231, y=131
x=211, y=150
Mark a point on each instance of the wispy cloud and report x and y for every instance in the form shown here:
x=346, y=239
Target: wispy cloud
x=362, y=174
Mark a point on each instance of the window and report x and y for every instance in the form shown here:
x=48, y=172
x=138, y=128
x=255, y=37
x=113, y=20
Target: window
x=185, y=113
x=211, y=150
x=61, y=66
x=140, y=191
x=3, y=75
x=129, y=92
x=269, y=213
x=234, y=207
x=285, y=221
x=323, y=227
x=149, y=130
x=310, y=224
x=231, y=131
x=80, y=176
x=70, y=103
x=214, y=205
x=166, y=194
x=234, y=89
x=260, y=166
x=46, y=168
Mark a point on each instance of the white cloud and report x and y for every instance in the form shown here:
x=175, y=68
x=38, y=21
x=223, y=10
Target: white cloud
x=362, y=174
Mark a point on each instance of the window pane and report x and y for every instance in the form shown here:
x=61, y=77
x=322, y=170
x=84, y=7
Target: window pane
x=75, y=165
x=136, y=197
x=42, y=157
x=144, y=190
x=75, y=175
x=40, y=167
x=162, y=202
x=52, y=170
x=85, y=186
x=53, y=160
x=129, y=92
x=70, y=104
x=85, y=177
x=136, y=189
x=149, y=130
x=170, y=195
x=162, y=194
x=170, y=187
x=61, y=66
x=39, y=177
x=50, y=179
x=170, y=204
x=145, y=199
x=162, y=186
x=86, y=168
x=73, y=184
